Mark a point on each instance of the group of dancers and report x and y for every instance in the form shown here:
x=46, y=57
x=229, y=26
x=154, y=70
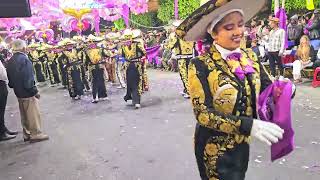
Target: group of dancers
x=78, y=62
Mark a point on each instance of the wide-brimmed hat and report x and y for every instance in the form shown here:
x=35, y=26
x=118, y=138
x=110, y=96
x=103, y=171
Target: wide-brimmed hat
x=129, y=34
x=33, y=45
x=113, y=36
x=45, y=47
x=176, y=23
x=93, y=38
x=195, y=26
x=66, y=42
x=77, y=38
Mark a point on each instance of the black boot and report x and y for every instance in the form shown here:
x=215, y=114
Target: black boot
x=6, y=137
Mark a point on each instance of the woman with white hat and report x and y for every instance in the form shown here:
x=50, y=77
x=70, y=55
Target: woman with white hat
x=225, y=84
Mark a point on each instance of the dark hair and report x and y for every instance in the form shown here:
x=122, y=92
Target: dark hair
x=208, y=39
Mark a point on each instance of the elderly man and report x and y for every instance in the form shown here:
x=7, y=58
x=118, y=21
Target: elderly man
x=21, y=79
x=5, y=134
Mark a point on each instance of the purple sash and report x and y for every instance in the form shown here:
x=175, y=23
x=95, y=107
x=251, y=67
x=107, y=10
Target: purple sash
x=275, y=106
x=152, y=53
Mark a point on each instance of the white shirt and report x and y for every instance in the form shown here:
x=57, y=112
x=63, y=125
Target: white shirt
x=225, y=52
x=3, y=73
x=276, y=41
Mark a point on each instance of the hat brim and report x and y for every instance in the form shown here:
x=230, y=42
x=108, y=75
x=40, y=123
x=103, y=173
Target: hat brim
x=195, y=26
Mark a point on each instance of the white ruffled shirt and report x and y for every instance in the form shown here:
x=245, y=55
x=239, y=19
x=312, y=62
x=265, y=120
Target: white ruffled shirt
x=225, y=52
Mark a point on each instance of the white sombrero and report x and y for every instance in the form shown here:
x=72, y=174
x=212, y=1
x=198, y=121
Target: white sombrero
x=195, y=26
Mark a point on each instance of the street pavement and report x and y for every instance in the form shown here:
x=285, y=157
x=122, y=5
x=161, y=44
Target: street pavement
x=112, y=141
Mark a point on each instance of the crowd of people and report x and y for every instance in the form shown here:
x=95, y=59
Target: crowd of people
x=84, y=63
x=218, y=59
x=301, y=40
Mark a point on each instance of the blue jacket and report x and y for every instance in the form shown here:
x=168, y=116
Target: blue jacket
x=21, y=76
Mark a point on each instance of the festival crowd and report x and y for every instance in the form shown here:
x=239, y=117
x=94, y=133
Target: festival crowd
x=222, y=74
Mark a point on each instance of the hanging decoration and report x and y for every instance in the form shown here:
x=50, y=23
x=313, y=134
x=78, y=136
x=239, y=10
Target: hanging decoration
x=47, y=34
x=176, y=10
x=77, y=23
x=310, y=5
x=138, y=6
x=282, y=15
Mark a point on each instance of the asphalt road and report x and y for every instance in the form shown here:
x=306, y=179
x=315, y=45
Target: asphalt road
x=111, y=141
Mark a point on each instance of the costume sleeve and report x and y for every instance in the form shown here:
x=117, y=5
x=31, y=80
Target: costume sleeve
x=203, y=109
x=172, y=41
x=142, y=49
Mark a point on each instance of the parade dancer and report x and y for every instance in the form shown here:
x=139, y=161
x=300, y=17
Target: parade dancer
x=62, y=64
x=96, y=67
x=84, y=68
x=225, y=84
x=120, y=71
x=111, y=52
x=52, y=66
x=183, y=52
x=145, y=81
x=74, y=70
x=133, y=52
x=37, y=62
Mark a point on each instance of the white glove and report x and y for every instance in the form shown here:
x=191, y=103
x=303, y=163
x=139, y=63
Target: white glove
x=281, y=78
x=266, y=132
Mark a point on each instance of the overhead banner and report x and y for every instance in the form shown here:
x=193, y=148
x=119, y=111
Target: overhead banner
x=310, y=5
x=79, y=4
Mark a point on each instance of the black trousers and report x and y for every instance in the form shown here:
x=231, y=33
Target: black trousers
x=98, y=84
x=133, y=79
x=232, y=165
x=76, y=85
x=316, y=64
x=275, y=59
x=3, y=103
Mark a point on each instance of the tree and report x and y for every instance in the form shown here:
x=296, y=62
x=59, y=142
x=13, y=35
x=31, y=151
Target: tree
x=186, y=7
x=119, y=24
x=144, y=20
x=297, y=5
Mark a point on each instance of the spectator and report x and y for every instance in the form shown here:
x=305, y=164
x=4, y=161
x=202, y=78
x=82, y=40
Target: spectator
x=314, y=27
x=305, y=56
x=5, y=134
x=21, y=79
x=276, y=46
x=295, y=30
x=258, y=50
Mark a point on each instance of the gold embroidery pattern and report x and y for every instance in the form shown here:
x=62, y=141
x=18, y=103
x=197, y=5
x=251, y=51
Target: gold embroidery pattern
x=95, y=55
x=216, y=147
x=183, y=70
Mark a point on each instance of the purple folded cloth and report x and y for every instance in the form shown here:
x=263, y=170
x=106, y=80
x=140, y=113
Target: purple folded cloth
x=274, y=105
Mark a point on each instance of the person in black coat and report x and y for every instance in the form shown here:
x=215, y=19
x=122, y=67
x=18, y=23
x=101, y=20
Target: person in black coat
x=5, y=134
x=21, y=79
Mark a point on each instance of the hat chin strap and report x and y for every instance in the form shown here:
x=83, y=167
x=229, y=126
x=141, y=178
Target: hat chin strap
x=220, y=17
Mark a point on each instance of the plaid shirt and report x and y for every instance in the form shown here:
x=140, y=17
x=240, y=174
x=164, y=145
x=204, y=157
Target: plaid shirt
x=276, y=41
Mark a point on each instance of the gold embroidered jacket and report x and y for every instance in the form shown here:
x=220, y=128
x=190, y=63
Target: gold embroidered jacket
x=220, y=100
x=132, y=52
x=179, y=46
